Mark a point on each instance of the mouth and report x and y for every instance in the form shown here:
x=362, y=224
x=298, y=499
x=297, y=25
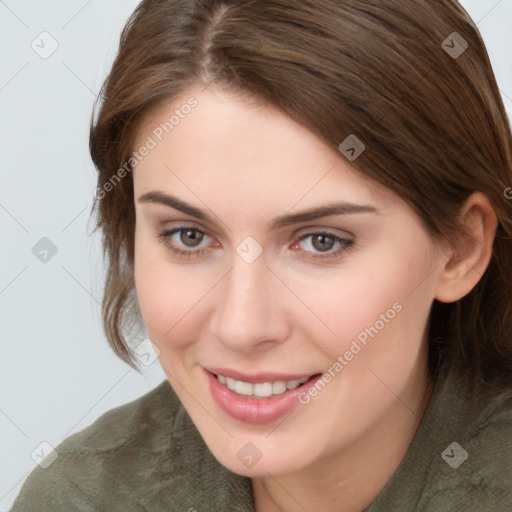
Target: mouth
x=257, y=399
x=262, y=389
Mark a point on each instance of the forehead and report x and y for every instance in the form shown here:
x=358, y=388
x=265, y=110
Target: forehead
x=227, y=142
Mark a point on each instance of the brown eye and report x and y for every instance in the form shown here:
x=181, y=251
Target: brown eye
x=184, y=241
x=191, y=237
x=324, y=245
x=322, y=242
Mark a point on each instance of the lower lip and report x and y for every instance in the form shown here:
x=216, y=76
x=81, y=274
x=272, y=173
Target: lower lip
x=256, y=411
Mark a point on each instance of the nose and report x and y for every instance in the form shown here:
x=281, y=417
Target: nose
x=249, y=313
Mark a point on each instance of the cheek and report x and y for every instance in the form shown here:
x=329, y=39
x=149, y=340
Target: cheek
x=169, y=296
x=349, y=303
x=158, y=294
x=381, y=304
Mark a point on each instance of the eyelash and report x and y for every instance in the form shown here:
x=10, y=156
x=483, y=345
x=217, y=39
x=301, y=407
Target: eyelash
x=345, y=244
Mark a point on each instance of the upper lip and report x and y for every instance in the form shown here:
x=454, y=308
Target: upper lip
x=259, y=377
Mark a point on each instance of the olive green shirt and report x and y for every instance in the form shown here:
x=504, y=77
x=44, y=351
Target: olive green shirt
x=148, y=456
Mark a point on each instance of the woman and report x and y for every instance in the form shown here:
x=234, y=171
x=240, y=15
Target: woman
x=306, y=206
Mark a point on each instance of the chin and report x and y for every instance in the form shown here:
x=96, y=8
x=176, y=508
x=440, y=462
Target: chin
x=255, y=458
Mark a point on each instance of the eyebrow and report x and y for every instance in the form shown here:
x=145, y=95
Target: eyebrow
x=342, y=208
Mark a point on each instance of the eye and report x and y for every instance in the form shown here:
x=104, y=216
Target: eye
x=321, y=244
x=185, y=241
x=179, y=239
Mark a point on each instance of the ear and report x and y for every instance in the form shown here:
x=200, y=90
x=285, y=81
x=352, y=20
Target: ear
x=466, y=260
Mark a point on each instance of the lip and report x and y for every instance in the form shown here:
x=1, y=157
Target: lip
x=258, y=378
x=257, y=411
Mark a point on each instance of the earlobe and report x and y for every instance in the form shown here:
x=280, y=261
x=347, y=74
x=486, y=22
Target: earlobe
x=470, y=255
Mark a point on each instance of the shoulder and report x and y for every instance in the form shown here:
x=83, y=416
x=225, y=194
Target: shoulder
x=460, y=457
x=144, y=455
x=134, y=422
x=91, y=466
x=474, y=472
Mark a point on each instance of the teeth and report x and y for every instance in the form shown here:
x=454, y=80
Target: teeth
x=243, y=388
x=278, y=387
x=261, y=389
x=292, y=384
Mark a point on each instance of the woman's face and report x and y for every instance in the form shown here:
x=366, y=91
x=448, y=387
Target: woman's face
x=239, y=274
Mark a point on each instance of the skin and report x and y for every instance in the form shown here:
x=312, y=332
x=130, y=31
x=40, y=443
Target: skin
x=245, y=163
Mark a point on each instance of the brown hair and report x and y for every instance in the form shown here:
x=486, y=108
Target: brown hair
x=433, y=123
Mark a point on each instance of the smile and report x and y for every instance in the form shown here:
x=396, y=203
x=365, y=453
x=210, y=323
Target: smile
x=267, y=398
x=261, y=389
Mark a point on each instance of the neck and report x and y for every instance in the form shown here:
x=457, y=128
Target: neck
x=352, y=478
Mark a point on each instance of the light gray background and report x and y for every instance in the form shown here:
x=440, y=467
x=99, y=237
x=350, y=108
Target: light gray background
x=57, y=371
